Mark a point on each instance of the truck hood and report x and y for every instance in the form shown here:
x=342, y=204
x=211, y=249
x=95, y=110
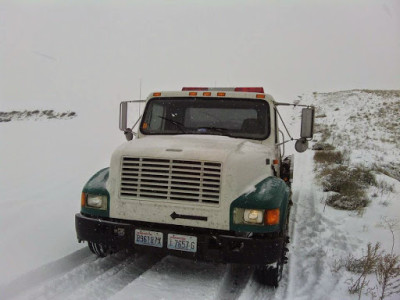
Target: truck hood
x=244, y=162
x=243, y=165
x=199, y=147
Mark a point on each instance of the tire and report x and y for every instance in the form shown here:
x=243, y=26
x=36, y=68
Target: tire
x=100, y=250
x=268, y=275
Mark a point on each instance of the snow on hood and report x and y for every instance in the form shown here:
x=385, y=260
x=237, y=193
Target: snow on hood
x=198, y=147
x=243, y=161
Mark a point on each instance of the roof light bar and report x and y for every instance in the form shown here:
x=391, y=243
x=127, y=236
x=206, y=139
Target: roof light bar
x=250, y=89
x=233, y=89
x=194, y=89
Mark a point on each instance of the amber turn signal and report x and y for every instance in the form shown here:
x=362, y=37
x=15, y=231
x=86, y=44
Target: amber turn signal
x=272, y=216
x=83, y=199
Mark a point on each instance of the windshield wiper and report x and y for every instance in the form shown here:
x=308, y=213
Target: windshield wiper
x=223, y=131
x=177, y=124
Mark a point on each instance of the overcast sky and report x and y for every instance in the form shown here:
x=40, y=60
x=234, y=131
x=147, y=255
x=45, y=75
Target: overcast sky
x=87, y=51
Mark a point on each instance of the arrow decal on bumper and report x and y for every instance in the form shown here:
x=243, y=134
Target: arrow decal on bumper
x=174, y=216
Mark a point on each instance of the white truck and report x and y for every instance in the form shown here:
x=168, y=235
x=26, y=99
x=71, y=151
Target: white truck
x=202, y=178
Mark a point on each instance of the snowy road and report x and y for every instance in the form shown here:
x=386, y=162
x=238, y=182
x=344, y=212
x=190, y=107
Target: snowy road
x=309, y=272
x=126, y=276
x=141, y=276
x=317, y=240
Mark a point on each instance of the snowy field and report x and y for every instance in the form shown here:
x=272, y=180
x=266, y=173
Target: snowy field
x=66, y=66
x=48, y=162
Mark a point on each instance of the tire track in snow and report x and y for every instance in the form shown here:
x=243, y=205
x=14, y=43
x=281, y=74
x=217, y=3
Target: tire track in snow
x=257, y=291
x=81, y=281
x=174, y=278
x=115, y=279
x=36, y=277
x=309, y=269
x=234, y=281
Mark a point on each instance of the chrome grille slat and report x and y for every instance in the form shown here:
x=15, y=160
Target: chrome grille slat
x=167, y=179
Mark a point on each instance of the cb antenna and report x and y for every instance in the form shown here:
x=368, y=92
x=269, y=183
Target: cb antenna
x=140, y=89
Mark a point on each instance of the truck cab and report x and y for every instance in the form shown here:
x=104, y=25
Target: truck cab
x=202, y=178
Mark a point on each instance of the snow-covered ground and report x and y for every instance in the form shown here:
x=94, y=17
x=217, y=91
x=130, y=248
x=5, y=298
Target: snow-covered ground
x=46, y=163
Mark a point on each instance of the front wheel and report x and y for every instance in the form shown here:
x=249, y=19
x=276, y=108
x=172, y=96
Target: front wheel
x=100, y=250
x=269, y=275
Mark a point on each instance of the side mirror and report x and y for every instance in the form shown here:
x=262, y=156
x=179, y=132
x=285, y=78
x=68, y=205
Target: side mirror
x=129, y=134
x=123, y=121
x=301, y=145
x=126, y=117
x=307, y=123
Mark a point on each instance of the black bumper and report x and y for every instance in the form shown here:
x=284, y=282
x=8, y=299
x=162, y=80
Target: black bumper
x=217, y=246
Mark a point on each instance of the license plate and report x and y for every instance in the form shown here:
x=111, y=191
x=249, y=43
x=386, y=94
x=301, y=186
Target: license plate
x=149, y=238
x=182, y=242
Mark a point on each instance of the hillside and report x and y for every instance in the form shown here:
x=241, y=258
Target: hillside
x=358, y=170
x=364, y=122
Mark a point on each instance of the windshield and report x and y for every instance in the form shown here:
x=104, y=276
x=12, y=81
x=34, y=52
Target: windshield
x=241, y=118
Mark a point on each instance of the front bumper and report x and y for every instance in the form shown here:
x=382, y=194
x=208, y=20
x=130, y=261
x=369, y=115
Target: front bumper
x=217, y=246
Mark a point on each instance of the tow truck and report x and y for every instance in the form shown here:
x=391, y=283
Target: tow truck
x=203, y=176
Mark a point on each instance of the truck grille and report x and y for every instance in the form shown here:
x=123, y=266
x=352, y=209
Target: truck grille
x=167, y=179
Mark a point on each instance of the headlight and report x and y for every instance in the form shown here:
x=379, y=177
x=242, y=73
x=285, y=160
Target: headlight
x=97, y=201
x=256, y=216
x=253, y=216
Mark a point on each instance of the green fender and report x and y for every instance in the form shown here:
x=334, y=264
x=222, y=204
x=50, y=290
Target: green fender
x=270, y=193
x=97, y=186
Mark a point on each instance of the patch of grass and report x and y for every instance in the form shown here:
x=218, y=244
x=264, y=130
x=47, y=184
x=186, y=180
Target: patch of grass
x=343, y=179
x=362, y=266
x=323, y=130
x=375, y=260
x=35, y=114
x=335, y=179
x=323, y=146
x=328, y=157
x=383, y=93
x=385, y=187
x=391, y=170
x=347, y=183
x=363, y=176
x=351, y=200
